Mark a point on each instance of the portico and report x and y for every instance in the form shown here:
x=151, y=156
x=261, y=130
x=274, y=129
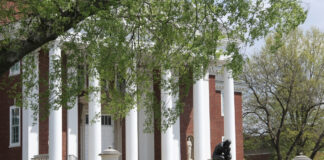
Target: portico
x=135, y=139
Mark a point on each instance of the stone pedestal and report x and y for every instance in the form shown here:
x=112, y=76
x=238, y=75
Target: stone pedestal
x=301, y=157
x=41, y=157
x=110, y=154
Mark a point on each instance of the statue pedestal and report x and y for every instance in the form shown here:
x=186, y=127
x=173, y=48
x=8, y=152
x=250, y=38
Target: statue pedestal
x=110, y=154
x=301, y=157
x=41, y=157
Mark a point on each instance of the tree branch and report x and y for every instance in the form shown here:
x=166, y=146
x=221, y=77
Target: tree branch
x=12, y=52
x=317, y=146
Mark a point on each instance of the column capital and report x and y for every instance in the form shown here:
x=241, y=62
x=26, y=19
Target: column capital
x=57, y=43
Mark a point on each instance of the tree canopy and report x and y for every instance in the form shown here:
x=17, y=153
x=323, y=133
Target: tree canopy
x=286, y=95
x=128, y=41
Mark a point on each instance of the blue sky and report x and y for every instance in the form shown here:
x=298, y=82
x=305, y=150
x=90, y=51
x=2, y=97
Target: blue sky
x=315, y=18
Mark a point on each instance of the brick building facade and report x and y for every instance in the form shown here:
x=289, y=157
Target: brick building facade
x=186, y=120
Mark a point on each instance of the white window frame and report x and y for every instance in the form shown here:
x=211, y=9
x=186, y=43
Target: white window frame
x=17, y=144
x=12, y=71
x=222, y=103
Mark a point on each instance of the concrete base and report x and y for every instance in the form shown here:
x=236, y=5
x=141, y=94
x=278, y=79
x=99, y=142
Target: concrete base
x=110, y=154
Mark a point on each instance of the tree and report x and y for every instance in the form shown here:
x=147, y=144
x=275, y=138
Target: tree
x=35, y=23
x=127, y=41
x=286, y=93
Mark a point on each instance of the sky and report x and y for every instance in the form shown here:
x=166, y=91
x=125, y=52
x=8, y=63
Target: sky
x=315, y=18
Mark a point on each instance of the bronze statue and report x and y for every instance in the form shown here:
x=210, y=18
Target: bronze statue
x=222, y=151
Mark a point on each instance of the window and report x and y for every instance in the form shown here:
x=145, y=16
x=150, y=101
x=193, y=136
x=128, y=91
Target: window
x=14, y=126
x=87, y=119
x=105, y=120
x=222, y=103
x=15, y=69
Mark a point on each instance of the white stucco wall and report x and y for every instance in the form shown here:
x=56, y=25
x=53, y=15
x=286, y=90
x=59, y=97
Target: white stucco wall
x=107, y=138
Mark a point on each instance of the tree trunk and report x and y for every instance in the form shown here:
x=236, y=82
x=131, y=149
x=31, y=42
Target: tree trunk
x=278, y=153
x=41, y=33
x=317, y=146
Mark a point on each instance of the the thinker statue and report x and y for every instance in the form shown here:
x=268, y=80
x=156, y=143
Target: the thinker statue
x=222, y=151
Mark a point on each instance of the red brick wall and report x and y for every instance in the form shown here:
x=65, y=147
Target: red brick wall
x=44, y=113
x=43, y=102
x=79, y=127
x=64, y=133
x=238, y=126
x=6, y=101
x=64, y=109
x=123, y=140
x=157, y=105
x=216, y=119
x=186, y=119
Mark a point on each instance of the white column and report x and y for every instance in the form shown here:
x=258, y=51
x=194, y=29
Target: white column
x=55, y=117
x=131, y=135
x=94, y=117
x=201, y=119
x=170, y=139
x=131, y=126
x=229, y=111
x=145, y=140
x=30, y=96
x=72, y=116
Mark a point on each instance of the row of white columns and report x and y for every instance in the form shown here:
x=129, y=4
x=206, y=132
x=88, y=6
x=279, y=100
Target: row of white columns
x=55, y=118
x=30, y=145
x=31, y=125
x=170, y=140
x=202, y=149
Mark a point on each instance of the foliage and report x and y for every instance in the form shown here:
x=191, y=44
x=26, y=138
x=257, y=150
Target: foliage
x=128, y=41
x=286, y=94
